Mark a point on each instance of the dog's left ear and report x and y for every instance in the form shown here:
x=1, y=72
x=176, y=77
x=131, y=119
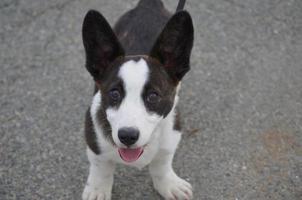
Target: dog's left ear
x=174, y=44
x=101, y=44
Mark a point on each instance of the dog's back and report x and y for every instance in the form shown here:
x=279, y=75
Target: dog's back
x=138, y=29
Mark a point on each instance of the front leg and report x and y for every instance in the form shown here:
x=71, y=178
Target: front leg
x=100, y=179
x=165, y=180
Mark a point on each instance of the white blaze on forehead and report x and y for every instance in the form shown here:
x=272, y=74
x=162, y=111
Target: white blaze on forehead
x=134, y=75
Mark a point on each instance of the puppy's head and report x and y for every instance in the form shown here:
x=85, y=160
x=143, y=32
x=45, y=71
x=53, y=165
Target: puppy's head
x=137, y=92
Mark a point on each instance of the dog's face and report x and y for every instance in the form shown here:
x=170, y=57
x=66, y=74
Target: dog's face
x=137, y=92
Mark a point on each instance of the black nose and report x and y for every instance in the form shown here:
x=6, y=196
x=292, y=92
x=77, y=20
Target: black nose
x=128, y=135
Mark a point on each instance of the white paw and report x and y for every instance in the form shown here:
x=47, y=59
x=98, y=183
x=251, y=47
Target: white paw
x=96, y=193
x=172, y=187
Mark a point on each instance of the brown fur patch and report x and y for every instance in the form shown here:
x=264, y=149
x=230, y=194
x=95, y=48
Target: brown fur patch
x=90, y=135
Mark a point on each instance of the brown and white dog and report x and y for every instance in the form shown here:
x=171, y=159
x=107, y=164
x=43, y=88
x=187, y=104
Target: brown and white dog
x=137, y=68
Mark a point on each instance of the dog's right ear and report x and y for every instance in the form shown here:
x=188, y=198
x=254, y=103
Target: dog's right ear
x=101, y=44
x=174, y=44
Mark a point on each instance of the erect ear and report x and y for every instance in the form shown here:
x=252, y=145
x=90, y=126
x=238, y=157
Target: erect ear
x=174, y=44
x=101, y=45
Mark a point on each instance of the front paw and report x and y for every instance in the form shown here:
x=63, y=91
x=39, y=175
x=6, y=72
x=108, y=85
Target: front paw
x=93, y=192
x=172, y=187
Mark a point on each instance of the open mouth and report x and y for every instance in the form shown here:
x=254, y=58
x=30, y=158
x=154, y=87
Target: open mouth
x=130, y=155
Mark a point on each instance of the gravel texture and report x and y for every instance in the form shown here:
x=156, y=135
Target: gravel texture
x=241, y=103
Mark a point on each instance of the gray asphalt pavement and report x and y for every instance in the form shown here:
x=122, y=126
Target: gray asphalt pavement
x=241, y=103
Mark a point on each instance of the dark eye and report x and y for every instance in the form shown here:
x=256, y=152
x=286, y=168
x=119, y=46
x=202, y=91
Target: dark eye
x=115, y=95
x=153, y=98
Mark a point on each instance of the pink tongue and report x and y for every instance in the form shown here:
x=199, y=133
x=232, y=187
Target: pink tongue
x=130, y=155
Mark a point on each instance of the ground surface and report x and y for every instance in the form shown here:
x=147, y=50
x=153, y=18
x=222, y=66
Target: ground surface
x=241, y=103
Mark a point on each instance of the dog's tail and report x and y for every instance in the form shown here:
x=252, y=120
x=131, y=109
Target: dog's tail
x=181, y=5
x=159, y=4
x=151, y=3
